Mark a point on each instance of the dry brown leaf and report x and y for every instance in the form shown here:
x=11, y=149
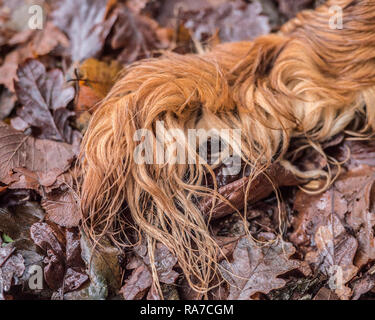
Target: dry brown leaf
x=325, y=294
x=99, y=75
x=11, y=267
x=335, y=228
x=64, y=265
x=257, y=269
x=85, y=23
x=234, y=21
x=46, y=40
x=32, y=44
x=136, y=35
x=42, y=157
x=96, y=79
x=8, y=70
x=334, y=256
x=137, y=285
x=44, y=97
x=62, y=208
x=164, y=262
x=357, y=187
x=363, y=285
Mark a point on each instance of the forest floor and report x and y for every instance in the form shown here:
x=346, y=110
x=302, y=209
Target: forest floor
x=50, y=82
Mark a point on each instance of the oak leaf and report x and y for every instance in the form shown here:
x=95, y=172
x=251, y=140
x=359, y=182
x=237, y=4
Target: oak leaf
x=257, y=269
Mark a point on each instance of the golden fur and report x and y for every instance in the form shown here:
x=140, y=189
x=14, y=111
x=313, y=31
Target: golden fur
x=307, y=82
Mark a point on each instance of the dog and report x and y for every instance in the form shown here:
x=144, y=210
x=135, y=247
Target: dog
x=307, y=82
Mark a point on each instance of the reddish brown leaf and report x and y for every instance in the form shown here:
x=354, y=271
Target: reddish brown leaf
x=84, y=22
x=256, y=269
x=134, y=34
x=48, y=238
x=334, y=257
x=136, y=286
x=8, y=70
x=62, y=208
x=164, y=262
x=44, y=99
x=41, y=157
x=235, y=21
x=322, y=224
x=262, y=186
x=74, y=279
x=29, y=44
x=313, y=211
x=357, y=187
x=363, y=285
x=64, y=265
x=46, y=40
x=54, y=270
x=11, y=267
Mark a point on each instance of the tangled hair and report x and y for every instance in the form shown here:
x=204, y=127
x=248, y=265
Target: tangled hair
x=307, y=82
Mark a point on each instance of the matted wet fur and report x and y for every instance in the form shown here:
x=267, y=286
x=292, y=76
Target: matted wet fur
x=308, y=82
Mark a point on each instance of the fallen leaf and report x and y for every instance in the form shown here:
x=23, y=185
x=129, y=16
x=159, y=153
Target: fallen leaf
x=137, y=285
x=8, y=70
x=64, y=265
x=39, y=156
x=99, y=75
x=363, y=285
x=73, y=280
x=96, y=79
x=257, y=269
x=85, y=24
x=44, y=99
x=16, y=222
x=358, y=188
x=29, y=44
x=335, y=229
x=11, y=268
x=62, y=208
x=134, y=34
x=19, y=124
x=312, y=212
x=54, y=270
x=164, y=262
x=75, y=276
x=334, y=257
x=46, y=40
x=169, y=11
x=235, y=21
x=102, y=263
x=50, y=241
